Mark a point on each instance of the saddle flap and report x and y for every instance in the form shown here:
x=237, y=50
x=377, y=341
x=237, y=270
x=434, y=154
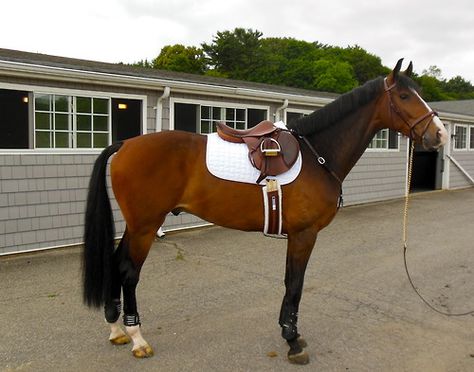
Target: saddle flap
x=285, y=148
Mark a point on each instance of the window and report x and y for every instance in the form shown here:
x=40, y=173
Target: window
x=52, y=121
x=71, y=122
x=92, y=122
x=203, y=118
x=255, y=116
x=385, y=139
x=14, y=123
x=471, y=137
x=46, y=120
x=210, y=115
x=293, y=116
x=460, y=139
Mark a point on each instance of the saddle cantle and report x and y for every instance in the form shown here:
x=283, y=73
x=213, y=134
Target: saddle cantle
x=272, y=150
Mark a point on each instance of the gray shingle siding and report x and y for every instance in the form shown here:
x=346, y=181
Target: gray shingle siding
x=377, y=176
x=42, y=200
x=457, y=178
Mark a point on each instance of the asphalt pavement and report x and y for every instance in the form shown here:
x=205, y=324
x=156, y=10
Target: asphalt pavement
x=209, y=299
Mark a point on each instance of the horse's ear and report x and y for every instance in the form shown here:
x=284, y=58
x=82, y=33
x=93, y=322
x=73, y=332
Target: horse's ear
x=397, y=69
x=409, y=70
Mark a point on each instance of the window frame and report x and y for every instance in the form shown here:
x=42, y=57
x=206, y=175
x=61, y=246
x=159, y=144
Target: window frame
x=470, y=138
x=466, y=138
x=221, y=104
x=386, y=148
x=72, y=117
x=37, y=89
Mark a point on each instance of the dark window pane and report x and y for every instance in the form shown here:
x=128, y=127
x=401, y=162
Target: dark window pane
x=101, y=140
x=229, y=114
x=43, y=140
x=42, y=102
x=84, y=140
x=61, y=103
x=255, y=116
x=14, y=119
x=240, y=114
x=392, y=139
x=101, y=106
x=42, y=121
x=205, y=112
x=205, y=127
x=185, y=117
x=84, y=122
x=216, y=113
x=61, y=121
x=61, y=140
x=84, y=104
x=100, y=123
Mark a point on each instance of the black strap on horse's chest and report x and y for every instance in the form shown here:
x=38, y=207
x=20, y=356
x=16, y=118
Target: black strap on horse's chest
x=322, y=161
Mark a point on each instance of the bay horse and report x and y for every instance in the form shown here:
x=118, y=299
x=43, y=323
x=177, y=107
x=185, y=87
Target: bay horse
x=158, y=173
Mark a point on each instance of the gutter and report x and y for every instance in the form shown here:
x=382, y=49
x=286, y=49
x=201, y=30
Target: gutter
x=35, y=71
x=282, y=108
x=159, y=109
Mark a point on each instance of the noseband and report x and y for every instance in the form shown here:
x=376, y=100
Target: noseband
x=412, y=126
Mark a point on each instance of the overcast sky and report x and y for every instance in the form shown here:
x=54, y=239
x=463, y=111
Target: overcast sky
x=428, y=32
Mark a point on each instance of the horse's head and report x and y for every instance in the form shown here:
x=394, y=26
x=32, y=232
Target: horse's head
x=409, y=113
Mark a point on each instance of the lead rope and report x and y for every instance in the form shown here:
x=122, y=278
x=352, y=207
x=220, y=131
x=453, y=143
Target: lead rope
x=405, y=239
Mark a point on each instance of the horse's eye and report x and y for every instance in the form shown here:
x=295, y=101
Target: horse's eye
x=404, y=95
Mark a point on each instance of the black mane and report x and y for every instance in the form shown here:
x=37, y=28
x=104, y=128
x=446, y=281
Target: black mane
x=344, y=105
x=338, y=109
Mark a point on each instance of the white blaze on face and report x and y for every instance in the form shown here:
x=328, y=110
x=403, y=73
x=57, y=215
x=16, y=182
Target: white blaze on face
x=443, y=133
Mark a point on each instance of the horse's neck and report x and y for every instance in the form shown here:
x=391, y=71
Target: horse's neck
x=344, y=142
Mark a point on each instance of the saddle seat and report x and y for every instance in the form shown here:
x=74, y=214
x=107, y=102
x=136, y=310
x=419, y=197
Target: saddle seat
x=272, y=150
x=237, y=135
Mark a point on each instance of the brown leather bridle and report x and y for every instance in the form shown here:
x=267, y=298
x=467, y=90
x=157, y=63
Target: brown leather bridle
x=412, y=126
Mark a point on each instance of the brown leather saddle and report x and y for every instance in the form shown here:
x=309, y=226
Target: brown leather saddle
x=272, y=150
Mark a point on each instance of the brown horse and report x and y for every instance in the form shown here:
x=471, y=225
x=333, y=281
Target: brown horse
x=162, y=172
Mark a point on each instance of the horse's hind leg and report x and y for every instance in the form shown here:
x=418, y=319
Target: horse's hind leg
x=113, y=304
x=134, y=252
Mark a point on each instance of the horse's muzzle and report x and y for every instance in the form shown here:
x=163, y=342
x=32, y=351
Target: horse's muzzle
x=433, y=142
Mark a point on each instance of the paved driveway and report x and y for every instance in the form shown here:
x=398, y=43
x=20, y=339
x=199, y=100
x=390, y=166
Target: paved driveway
x=210, y=299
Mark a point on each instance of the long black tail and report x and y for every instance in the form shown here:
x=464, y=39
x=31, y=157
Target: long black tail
x=99, y=234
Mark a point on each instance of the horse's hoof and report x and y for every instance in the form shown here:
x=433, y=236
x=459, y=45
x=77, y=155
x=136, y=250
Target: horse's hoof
x=302, y=342
x=300, y=358
x=120, y=340
x=143, y=352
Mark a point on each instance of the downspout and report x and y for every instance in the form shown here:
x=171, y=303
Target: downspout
x=159, y=109
x=279, y=117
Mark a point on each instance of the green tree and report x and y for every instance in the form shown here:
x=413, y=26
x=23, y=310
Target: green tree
x=180, y=58
x=334, y=76
x=431, y=88
x=286, y=61
x=458, y=88
x=366, y=66
x=433, y=71
x=234, y=54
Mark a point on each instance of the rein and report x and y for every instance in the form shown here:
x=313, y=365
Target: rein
x=405, y=240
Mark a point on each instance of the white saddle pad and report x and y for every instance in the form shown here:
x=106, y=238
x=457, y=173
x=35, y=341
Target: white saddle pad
x=230, y=161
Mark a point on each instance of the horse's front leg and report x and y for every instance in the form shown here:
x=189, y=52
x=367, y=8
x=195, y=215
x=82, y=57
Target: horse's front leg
x=300, y=246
